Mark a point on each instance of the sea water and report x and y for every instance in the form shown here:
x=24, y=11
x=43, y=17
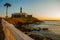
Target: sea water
x=53, y=29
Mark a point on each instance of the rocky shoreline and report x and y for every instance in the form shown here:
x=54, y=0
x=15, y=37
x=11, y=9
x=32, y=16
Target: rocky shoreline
x=21, y=25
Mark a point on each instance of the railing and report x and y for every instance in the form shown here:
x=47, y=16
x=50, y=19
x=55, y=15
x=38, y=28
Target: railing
x=11, y=33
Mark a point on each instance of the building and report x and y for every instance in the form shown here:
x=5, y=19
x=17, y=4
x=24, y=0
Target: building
x=21, y=14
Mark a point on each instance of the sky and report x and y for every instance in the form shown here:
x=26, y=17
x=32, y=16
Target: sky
x=42, y=9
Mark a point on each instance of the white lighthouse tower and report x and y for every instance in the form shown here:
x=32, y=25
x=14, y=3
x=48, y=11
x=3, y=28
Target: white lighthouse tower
x=20, y=10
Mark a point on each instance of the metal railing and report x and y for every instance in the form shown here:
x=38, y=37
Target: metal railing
x=11, y=33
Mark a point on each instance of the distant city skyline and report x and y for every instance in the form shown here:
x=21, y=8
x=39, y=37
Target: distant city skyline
x=41, y=9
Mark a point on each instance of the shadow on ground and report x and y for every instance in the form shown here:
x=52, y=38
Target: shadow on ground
x=2, y=36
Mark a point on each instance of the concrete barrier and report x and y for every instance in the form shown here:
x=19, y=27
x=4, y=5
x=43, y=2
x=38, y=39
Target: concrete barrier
x=11, y=33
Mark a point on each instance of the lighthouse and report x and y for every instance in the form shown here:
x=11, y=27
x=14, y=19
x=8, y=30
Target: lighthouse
x=20, y=10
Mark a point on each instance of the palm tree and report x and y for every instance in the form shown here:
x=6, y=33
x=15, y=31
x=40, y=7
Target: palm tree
x=7, y=5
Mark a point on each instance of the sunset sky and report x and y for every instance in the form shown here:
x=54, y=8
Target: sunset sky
x=42, y=9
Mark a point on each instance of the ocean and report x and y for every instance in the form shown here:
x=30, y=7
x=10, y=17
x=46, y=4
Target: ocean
x=53, y=29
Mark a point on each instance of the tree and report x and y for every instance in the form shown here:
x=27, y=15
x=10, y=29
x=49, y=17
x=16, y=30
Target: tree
x=7, y=5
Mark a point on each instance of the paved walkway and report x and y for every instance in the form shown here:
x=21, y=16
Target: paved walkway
x=1, y=31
